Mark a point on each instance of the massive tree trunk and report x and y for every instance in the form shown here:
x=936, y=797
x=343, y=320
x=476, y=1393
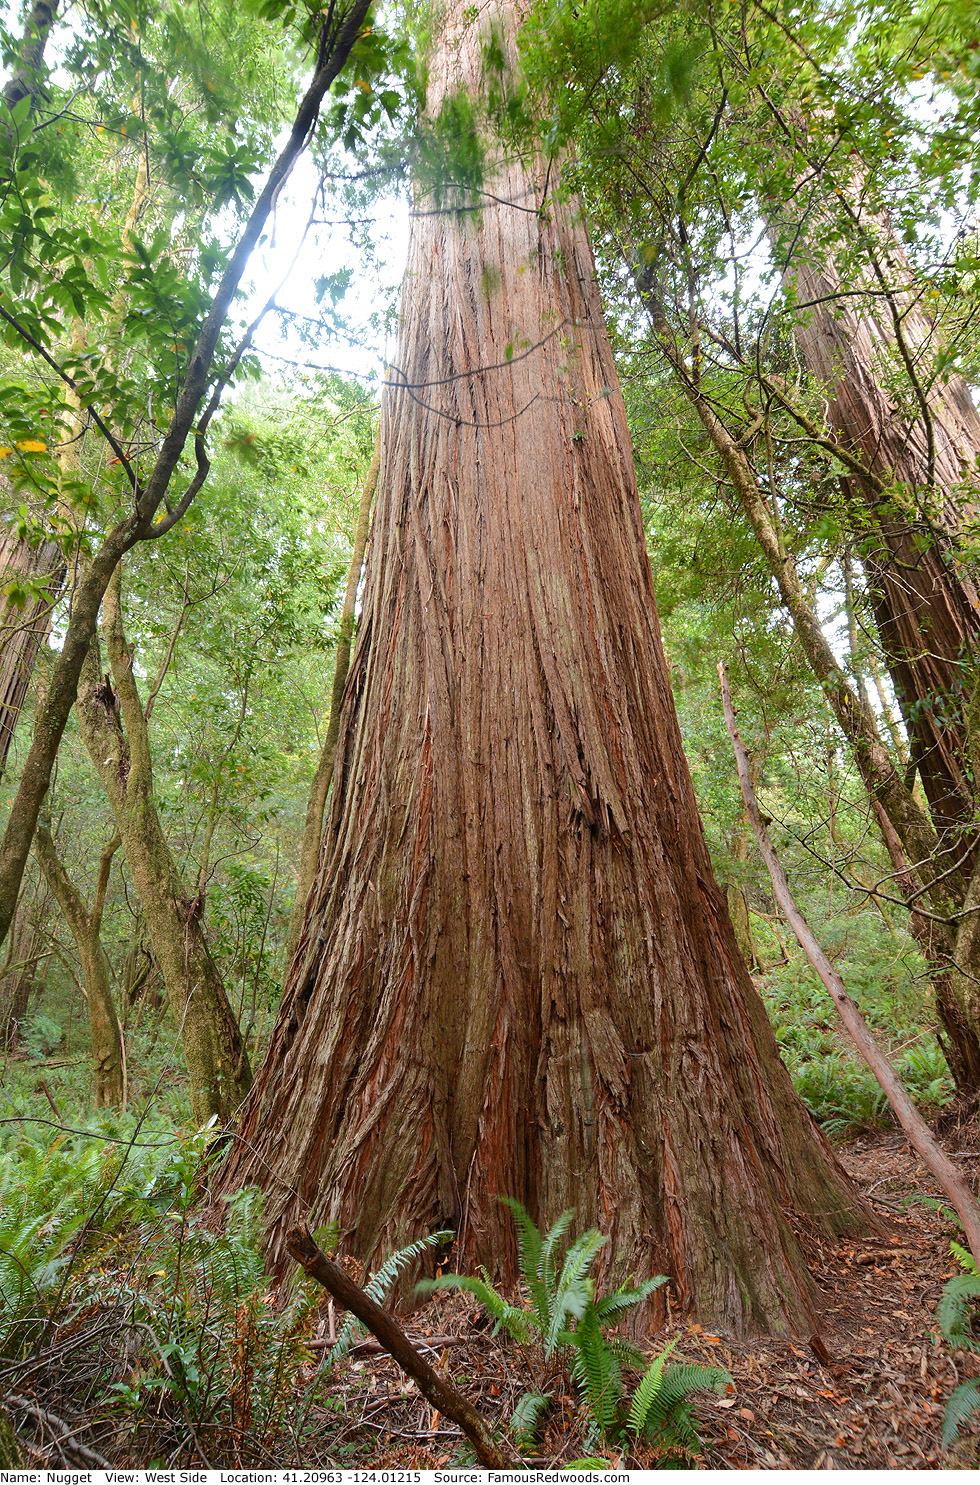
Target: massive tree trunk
x=517, y=975
x=113, y=728
x=919, y=447
x=316, y=804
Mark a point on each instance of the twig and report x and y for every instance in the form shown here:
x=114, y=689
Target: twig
x=435, y=1389
x=952, y=1180
x=50, y=1097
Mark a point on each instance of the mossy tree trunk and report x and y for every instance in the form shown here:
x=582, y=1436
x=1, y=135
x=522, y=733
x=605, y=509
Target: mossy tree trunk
x=517, y=975
x=108, y=1056
x=113, y=727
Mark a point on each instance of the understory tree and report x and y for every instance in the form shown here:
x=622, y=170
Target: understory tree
x=105, y=1028
x=517, y=975
x=155, y=387
x=113, y=722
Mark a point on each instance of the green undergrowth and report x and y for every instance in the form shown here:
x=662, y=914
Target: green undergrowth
x=564, y=1335
x=888, y=984
x=163, y=1320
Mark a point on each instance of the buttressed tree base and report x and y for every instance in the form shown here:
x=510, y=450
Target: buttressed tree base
x=517, y=975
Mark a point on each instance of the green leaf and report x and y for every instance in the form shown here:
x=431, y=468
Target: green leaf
x=526, y=1416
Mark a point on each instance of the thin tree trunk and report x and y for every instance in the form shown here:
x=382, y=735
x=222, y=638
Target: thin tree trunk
x=114, y=731
x=949, y=1177
x=517, y=975
x=108, y=1058
x=25, y=955
x=317, y=802
x=913, y=844
x=24, y=627
x=340, y=31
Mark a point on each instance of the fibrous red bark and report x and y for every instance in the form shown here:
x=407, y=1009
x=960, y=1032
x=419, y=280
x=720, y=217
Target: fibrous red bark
x=517, y=975
x=918, y=436
x=23, y=629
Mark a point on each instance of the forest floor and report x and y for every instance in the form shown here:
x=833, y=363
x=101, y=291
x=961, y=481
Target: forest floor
x=867, y=1393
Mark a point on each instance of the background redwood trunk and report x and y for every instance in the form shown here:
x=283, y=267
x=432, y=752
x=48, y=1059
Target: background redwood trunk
x=925, y=602
x=23, y=630
x=517, y=975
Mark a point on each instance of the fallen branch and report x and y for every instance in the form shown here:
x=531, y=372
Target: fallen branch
x=435, y=1389
x=920, y=1137
x=63, y=1435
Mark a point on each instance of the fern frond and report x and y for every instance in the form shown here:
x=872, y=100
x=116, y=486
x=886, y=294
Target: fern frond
x=516, y=1322
x=391, y=1270
x=554, y=1235
x=956, y=1308
x=615, y=1304
x=964, y=1258
x=529, y=1244
x=595, y=1367
x=628, y=1354
x=647, y=1389
x=676, y=1386
x=963, y=1404
x=378, y=1286
x=526, y=1416
x=574, y=1292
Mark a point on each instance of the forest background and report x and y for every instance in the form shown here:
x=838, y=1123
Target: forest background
x=753, y=177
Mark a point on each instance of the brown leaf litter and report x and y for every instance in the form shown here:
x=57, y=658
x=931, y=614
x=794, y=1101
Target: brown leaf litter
x=868, y=1392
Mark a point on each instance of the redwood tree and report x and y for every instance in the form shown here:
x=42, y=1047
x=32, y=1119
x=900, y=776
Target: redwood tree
x=25, y=619
x=916, y=438
x=517, y=975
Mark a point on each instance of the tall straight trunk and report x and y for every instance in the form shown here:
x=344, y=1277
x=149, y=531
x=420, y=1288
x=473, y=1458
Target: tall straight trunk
x=114, y=731
x=921, y=489
x=23, y=629
x=517, y=975
x=108, y=1057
